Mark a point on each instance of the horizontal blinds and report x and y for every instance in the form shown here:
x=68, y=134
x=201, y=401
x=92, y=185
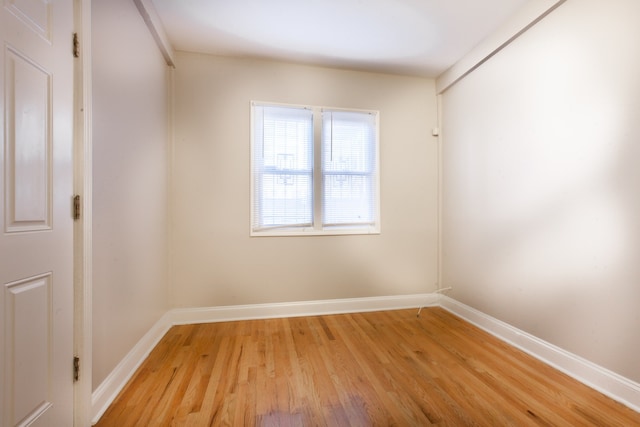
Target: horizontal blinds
x=349, y=168
x=282, y=167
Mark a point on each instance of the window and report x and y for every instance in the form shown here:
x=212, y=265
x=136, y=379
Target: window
x=314, y=171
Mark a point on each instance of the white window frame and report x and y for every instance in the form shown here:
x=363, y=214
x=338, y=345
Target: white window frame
x=317, y=229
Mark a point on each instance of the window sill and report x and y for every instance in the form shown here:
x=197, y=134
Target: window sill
x=313, y=232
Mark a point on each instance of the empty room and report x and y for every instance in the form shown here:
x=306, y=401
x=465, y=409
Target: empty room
x=274, y=213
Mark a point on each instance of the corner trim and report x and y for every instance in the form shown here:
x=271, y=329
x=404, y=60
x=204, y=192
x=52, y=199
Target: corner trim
x=601, y=379
x=525, y=18
x=154, y=23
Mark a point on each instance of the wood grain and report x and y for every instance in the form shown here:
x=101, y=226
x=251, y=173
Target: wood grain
x=367, y=369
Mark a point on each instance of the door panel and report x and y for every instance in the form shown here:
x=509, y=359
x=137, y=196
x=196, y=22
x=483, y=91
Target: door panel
x=34, y=13
x=36, y=234
x=28, y=320
x=28, y=143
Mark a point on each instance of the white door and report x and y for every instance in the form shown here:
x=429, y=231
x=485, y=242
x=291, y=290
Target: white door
x=36, y=252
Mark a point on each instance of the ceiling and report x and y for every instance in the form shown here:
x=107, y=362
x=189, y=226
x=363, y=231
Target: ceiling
x=414, y=37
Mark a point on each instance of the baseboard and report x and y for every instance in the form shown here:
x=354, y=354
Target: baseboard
x=303, y=308
x=601, y=379
x=104, y=395
x=607, y=382
x=106, y=392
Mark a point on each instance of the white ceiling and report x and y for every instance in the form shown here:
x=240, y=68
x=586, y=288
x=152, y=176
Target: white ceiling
x=417, y=37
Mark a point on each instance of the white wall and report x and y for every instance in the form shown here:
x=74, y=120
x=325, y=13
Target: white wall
x=216, y=263
x=542, y=186
x=129, y=182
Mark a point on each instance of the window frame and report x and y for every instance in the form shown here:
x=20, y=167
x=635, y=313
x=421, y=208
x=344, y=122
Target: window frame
x=317, y=228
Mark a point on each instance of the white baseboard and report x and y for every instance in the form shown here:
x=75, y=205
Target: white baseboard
x=601, y=379
x=304, y=308
x=605, y=381
x=104, y=395
x=108, y=390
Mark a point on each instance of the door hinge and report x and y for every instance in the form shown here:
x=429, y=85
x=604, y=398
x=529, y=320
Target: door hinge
x=76, y=207
x=76, y=46
x=76, y=368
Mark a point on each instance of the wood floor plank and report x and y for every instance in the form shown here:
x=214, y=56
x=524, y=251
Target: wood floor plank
x=365, y=369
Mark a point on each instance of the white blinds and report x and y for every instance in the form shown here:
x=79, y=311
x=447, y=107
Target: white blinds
x=344, y=173
x=282, y=167
x=349, y=168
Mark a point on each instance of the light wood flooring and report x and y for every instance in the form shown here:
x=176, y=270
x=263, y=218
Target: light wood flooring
x=369, y=369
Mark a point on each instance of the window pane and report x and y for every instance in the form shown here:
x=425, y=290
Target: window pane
x=286, y=200
x=348, y=142
x=348, y=168
x=283, y=166
x=348, y=199
x=288, y=138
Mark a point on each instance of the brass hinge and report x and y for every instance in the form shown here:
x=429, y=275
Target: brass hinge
x=76, y=207
x=76, y=368
x=76, y=46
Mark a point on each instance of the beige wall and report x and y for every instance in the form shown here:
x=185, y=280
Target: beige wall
x=129, y=182
x=542, y=185
x=216, y=263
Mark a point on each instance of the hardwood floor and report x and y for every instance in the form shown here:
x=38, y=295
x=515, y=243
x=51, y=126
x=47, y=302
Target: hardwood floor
x=368, y=369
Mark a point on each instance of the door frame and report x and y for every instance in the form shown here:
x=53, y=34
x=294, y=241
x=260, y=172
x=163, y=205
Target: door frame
x=82, y=245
